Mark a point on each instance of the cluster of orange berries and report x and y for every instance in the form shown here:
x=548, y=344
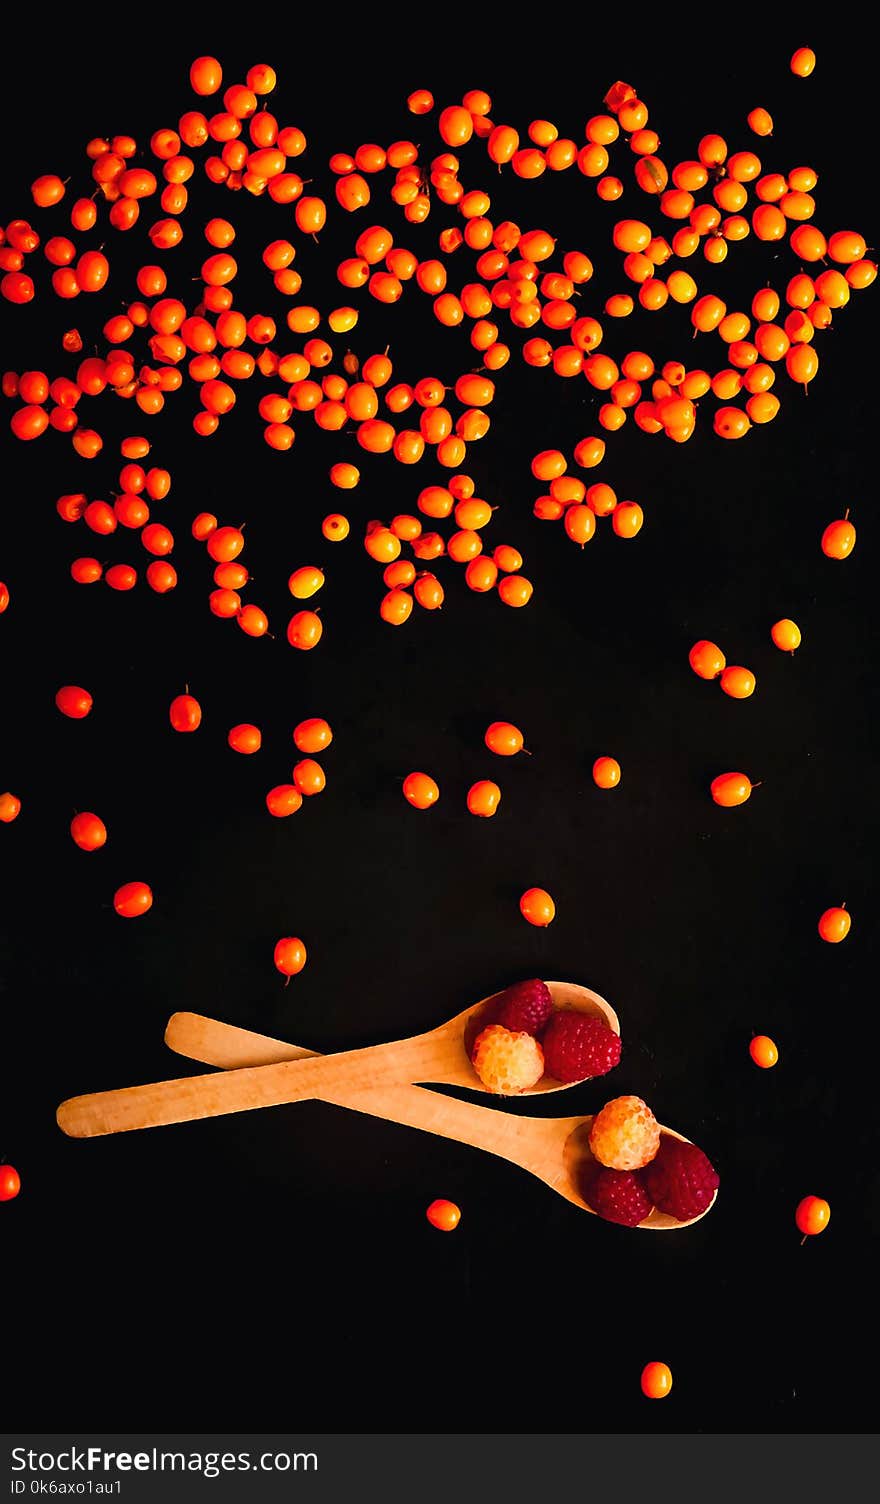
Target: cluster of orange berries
x=483, y=797
x=577, y=504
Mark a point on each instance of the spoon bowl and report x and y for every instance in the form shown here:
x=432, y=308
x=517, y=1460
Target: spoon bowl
x=440, y=1056
x=557, y=1150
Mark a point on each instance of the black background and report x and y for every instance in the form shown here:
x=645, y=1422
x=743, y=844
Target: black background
x=276, y=1269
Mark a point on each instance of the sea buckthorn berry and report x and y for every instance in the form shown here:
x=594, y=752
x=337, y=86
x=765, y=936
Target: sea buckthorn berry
x=304, y=630
x=444, y=1215
x=812, y=1216
x=731, y=789
x=420, y=790
x=763, y=1051
x=786, y=634
x=838, y=539
x=285, y=799
x=656, y=1381
x=313, y=735
x=834, y=925
x=803, y=62
x=737, y=682
x=606, y=772
x=537, y=907
x=133, y=900
x=483, y=798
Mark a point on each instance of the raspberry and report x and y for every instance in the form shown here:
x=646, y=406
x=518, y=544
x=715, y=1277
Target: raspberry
x=625, y=1135
x=577, y=1046
x=524, y=1007
x=619, y=1196
x=681, y=1181
x=507, y=1062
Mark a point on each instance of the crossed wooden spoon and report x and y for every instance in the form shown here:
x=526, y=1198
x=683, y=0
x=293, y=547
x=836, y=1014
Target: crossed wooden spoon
x=260, y=1071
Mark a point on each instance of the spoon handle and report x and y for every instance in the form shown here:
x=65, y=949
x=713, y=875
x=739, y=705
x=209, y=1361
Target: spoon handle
x=422, y=1058
x=509, y=1137
x=214, y=1043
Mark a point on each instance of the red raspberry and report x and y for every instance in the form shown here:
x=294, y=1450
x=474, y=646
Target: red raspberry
x=619, y=1196
x=524, y=1008
x=680, y=1180
x=577, y=1046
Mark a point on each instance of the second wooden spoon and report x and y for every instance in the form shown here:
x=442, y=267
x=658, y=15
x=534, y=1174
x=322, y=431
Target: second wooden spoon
x=556, y=1150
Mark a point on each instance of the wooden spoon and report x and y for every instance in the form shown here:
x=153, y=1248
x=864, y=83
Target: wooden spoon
x=555, y=1149
x=441, y=1056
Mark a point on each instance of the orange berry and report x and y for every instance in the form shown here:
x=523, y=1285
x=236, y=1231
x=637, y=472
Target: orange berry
x=786, y=634
x=627, y=519
x=834, y=925
x=606, y=772
x=309, y=777
x=132, y=900
x=483, y=798
x=304, y=630
x=420, y=790
x=738, y=682
x=761, y=122
x=803, y=62
x=656, y=1381
x=515, y=590
x=245, y=738
x=838, y=539
x=305, y=581
x=444, y=1215
x=313, y=735
x=731, y=789
x=537, y=907
x=396, y=607
x=10, y=807
x=335, y=527
x=504, y=739
x=763, y=1051
x=812, y=1216
x=285, y=799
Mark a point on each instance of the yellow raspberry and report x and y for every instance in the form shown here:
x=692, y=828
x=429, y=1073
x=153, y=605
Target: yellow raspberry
x=506, y=1062
x=625, y=1135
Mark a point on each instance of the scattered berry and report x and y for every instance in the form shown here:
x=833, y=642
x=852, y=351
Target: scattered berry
x=606, y=773
x=763, y=1051
x=786, y=635
x=706, y=659
x=444, y=1215
x=834, y=925
x=74, y=702
x=812, y=1216
x=290, y=956
x=537, y=907
x=420, y=790
x=132, y=900
x=731, y=789
x=656, y=1381
x=10, y=1183
x=484, y=798
x=504, y=739
x=10, y=808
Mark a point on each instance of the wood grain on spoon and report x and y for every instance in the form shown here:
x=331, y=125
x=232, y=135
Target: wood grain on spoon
x=441, y=1056
x=556, y=1150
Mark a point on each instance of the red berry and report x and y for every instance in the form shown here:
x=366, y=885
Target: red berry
x=578, y=1046
x=620, y=1196
x=524, y=1008
x=680, y=1180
